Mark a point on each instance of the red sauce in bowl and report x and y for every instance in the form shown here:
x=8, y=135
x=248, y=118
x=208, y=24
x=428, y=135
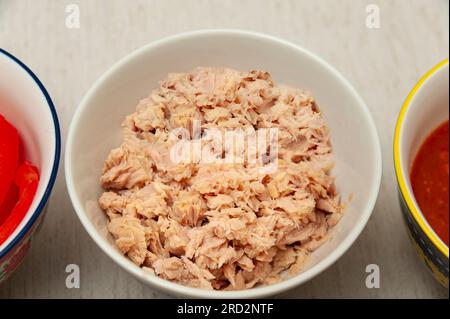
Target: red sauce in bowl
x=430, y=180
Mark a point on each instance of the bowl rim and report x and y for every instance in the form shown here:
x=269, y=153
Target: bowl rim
x=56, y=160
x=257, y=292
x=399, y=169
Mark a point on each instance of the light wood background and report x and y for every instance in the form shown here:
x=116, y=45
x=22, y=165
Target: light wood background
x=383, y=64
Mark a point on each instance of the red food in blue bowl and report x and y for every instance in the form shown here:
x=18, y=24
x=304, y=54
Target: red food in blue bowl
x=30, y=138
x=19, y=180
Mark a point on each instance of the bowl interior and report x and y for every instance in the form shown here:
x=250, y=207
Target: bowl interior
x=25, y=106
x=427, y=109
x=96, y=129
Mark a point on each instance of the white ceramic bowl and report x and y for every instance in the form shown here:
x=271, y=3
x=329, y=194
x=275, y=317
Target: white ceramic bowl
x=26, y=104
x=95, y=130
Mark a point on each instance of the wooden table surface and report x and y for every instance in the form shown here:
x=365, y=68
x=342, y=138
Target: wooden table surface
x=382, y=63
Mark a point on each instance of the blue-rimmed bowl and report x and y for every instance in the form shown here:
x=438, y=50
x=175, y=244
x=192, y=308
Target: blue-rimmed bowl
x=26, y=104
x=425, y=108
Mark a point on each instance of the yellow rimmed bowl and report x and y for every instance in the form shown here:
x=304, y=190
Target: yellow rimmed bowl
x=424, y=109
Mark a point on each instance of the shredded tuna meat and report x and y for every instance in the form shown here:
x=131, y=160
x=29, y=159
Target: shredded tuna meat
x=221, y=225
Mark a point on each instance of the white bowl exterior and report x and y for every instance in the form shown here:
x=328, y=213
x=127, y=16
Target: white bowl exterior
x=427, y=110
x=25, y=106
x=95, y=131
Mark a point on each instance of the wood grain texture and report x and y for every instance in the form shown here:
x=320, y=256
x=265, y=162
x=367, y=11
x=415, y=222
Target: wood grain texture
x=383, y=64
